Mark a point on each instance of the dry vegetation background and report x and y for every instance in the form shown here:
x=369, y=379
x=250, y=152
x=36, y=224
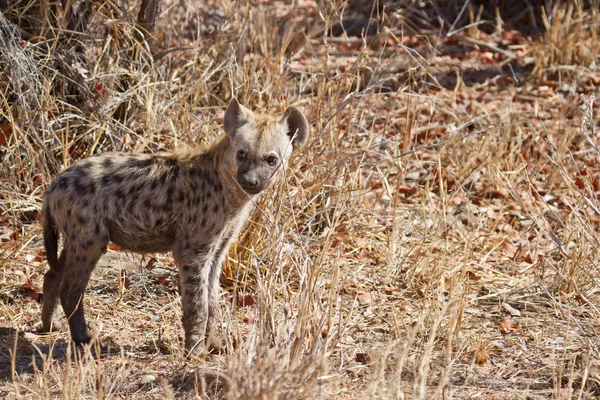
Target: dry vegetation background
x=437, y=238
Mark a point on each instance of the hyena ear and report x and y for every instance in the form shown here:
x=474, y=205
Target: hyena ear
x=297, y=127
x=236, y=115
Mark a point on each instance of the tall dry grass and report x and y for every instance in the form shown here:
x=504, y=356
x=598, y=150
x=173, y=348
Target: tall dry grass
x=569, y=46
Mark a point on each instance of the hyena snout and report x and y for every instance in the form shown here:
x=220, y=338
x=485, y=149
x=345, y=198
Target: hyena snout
x=249, y=182
x=254, y=181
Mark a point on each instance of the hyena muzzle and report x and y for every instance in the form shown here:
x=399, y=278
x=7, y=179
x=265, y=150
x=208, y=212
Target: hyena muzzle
x=192, y=204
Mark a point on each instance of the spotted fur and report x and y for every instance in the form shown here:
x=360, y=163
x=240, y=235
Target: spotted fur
x=192, y=204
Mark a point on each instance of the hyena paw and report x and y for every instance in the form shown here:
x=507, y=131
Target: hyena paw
x=216, y=345
x=54, y=326
x=195, y=345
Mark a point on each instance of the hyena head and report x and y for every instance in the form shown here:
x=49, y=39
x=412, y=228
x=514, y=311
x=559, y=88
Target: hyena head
x=261, y=145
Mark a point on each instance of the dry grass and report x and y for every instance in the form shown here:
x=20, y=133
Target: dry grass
x=569, y=47
x=437, y=238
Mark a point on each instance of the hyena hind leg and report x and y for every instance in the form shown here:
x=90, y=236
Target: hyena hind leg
x=51, y=288
x=78, y=269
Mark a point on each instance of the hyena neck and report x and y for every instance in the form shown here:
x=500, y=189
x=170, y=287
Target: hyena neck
x=235, y=197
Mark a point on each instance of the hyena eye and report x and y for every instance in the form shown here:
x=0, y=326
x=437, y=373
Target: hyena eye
x=272, y=160
x=241, y=155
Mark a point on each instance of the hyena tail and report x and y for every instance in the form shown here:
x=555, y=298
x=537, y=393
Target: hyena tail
x=50, y=237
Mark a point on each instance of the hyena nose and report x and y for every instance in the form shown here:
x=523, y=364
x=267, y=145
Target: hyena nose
x=252, y=182
x=248, y=181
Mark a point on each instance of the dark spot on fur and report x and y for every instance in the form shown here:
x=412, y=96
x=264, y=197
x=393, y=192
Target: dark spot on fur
x=78, y=185
x=88, y=243
x=216, y=208
x=157, y=182
x=92, y=187
x=170, y=193
x=135, y=163
x=205, y=209
x=217, y=186
x=147, y=204
x=170, y=161
x=134, y=190
x=107, y=163
x=111, y=179
x=202, y=223
x=198, y=172
x=81, y=219
x=187, y=268
x=63, y=181
x=97, y=229
x=68, y=213
x=193, y=280
x=180, y=196
x=175, y=172
x=159, y=221
x=120, y=194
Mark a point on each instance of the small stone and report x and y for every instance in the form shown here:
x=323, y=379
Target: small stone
x=147, y=379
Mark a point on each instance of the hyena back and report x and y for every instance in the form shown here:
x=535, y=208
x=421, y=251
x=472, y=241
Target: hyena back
x=192, y=204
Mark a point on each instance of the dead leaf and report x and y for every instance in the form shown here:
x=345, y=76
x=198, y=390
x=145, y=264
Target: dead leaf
x=407, y=190
x=114, y=247
x=163, y=280
x=5, y=133
x=40, y=256
x=508, y=325
x=150, y=264
x=407, y=307
x=245, y=301
x=363, y=358
x=365, y=298
x=472, y=276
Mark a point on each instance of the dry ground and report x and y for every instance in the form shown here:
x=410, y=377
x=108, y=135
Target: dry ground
x=437, y=238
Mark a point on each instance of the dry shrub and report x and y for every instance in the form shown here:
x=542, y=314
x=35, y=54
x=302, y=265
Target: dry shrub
x=570, y=45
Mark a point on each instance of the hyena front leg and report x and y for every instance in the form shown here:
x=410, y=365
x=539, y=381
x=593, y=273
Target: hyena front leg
x=195, y=273
x=79, y=263
x=52, y=280
x=214, y=343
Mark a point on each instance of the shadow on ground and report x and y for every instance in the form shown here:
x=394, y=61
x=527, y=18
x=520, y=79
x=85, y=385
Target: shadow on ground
x=23, y=353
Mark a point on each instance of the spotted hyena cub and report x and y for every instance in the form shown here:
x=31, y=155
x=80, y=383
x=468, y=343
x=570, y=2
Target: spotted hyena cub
x=192, y=204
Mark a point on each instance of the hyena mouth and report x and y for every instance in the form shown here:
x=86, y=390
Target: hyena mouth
x=252, y=189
